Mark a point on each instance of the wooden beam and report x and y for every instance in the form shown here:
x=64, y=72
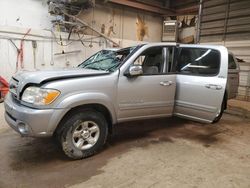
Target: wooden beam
x=188, y=10
x=143, y=6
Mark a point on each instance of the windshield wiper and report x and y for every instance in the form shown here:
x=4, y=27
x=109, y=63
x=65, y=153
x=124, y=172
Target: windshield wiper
x=95, y=68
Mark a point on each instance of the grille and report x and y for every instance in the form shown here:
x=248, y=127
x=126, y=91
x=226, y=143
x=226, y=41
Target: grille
x=13, y=87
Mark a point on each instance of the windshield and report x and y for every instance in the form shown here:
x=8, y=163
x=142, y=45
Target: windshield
x=108, y=60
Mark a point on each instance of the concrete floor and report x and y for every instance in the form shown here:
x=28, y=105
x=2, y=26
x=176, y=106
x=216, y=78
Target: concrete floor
x=157, y=153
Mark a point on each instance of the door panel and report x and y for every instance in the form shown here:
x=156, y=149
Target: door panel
x=201, y=85
x=151, y=94
x=146, y=96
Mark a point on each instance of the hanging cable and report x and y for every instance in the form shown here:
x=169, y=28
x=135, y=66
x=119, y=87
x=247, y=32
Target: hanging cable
x=93, y=17
x=60, y=35
x=59, y=42
x=81, y=40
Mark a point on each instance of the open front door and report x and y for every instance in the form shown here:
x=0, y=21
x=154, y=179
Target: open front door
x=201, y=81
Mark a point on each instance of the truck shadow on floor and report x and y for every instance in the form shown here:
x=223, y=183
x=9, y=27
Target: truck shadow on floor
x=27, y=155
x=166, y=130
x=126, y=136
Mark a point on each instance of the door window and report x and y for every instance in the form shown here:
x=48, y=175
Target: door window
x=198, y=61
x=153, y=61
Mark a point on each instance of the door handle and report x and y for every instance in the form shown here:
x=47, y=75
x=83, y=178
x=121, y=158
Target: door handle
x=166, y=83
x=213, y=86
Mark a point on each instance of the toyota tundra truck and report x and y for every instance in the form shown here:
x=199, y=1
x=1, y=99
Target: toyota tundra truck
x=80, y=106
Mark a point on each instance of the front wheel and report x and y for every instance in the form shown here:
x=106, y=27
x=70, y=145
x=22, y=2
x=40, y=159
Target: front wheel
x=83, y=134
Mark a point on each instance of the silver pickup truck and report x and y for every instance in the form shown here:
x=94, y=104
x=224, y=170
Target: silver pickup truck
x=81, y=105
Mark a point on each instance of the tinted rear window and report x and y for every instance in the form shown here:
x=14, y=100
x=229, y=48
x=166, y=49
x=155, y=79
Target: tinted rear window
x=198, y=61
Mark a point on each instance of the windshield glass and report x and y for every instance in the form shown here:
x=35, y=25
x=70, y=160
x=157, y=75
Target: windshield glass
x=108, y=60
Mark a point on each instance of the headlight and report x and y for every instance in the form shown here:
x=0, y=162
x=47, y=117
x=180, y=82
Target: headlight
x=39, y=96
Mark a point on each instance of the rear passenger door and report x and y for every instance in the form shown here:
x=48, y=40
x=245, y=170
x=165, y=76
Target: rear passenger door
x=201, y=81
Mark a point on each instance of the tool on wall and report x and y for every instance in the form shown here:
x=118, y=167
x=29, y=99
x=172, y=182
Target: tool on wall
x=142, y=28
x=20, y=55
x=52, y=51
x=61, y=41
x=34, y=46
x=69, y=52
x=62, y=44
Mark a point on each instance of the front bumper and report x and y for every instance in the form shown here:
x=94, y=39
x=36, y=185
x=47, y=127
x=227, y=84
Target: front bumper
x=31, y=122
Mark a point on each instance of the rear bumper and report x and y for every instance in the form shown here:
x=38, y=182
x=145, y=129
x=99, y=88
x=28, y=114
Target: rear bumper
x=30, y=122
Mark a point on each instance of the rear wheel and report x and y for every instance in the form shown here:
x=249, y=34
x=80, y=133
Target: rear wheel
x=83, y=134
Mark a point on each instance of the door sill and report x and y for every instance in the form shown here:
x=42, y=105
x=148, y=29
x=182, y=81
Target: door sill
x=192, y=118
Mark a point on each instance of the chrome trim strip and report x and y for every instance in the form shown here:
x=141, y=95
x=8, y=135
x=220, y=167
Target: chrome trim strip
x=192, y=118
x=143, y=117
x=137, y=106
x=196, y=107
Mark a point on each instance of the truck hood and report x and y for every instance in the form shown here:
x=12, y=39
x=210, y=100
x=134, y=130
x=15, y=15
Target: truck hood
x=37, y=77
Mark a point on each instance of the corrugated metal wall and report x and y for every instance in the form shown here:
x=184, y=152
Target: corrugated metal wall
x=227, y=22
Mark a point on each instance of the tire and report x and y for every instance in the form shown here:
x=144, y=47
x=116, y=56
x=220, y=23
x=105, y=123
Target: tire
x=83, y=134
x=217, y=119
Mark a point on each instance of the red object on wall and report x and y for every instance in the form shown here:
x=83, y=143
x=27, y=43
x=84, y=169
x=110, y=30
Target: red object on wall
x=4, y=87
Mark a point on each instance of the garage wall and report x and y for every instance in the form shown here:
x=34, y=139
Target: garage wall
x=227, y=22
x=125, y=22
x=224, y=20
x=25, y=13
x=48, y=53
x=34, y=14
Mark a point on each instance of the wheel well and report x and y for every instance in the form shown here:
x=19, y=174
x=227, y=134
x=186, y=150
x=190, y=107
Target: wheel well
x=97, y=107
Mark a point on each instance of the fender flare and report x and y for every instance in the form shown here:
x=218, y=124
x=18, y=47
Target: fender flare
x=81, y=99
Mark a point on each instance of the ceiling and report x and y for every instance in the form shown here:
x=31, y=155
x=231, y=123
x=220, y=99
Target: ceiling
x=161, y=7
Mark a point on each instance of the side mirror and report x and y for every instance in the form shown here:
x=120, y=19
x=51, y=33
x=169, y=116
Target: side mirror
x=135, y=70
